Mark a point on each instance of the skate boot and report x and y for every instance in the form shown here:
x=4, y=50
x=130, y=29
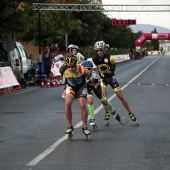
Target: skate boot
x=69, y=132
x=117, y=117
x=107, y=117
x=132, y=116
x=87, y=133
x=93, y=124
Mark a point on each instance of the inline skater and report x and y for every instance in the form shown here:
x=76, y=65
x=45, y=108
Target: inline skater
x=106, y=66
x=76, y=87
x=93, y=86
x=73, y=49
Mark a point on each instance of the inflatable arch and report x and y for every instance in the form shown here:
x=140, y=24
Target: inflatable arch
x=149, y=36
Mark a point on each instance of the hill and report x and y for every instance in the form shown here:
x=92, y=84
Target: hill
x=147, y=28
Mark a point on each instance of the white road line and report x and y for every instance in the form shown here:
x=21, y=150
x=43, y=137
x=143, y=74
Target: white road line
x=51, y=148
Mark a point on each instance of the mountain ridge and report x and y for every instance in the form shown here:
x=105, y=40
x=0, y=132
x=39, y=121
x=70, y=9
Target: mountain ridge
x=148, y=28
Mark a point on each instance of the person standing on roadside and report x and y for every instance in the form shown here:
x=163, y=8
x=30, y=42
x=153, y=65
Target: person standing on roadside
x=47, y=61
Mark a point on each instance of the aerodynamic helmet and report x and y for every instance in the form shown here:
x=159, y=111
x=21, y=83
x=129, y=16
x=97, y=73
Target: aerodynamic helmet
x=87, y=63
x=99, y=45
x=70, y=59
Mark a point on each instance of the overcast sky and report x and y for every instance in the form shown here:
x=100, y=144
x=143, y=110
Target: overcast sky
x=153, y=18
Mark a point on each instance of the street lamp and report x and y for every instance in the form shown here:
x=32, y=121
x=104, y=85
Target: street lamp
x=39, y=38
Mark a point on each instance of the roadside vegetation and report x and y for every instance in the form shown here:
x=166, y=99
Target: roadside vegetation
x=20, y=22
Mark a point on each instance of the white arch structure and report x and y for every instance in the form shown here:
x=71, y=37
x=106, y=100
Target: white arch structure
x=110, y=8
x=149, y=36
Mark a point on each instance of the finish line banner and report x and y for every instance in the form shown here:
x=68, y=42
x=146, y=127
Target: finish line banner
x=7, y=78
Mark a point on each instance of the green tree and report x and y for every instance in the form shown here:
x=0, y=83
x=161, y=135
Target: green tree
x=14, y=17
x=154, y=43
x=20, y=21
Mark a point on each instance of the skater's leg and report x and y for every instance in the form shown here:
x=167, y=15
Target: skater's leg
x=108, y=106
x=125, y=104
x=68, y=111
x=105, y=102
x=84, y=112
x=90, y=106
x=123, y=100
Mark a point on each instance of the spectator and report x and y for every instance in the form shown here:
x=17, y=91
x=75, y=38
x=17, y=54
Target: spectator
x=47, y=61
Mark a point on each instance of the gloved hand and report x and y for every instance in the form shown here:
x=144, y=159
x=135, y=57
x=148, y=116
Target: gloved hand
x=96, y=85
x=114, y=79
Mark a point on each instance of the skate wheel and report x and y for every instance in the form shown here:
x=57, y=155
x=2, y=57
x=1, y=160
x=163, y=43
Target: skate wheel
x=94, y=128
x=137, y=123
x=88, y=137
x=69, y=137
x=107, y=123
x=122, y=123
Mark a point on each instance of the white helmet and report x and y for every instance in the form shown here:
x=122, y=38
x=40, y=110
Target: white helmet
x=99, y=45
x=74, y=47
x=70, y=46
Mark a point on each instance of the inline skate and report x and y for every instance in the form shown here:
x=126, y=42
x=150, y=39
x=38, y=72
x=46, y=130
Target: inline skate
x=133, y=117
x=93, y=124
x=107, y=117
x=117, y=117
x=69, y=132
x=87, y=133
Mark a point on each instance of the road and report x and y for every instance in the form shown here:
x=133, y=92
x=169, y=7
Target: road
x=32, y=125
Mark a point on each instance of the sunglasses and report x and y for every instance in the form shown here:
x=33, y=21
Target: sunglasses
x=99, y=50
x=89, y=68
x=71, y=66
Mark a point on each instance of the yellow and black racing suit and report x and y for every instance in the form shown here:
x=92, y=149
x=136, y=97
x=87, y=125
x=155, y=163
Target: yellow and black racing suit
x=106, y=66
x=91, y=86
x=75, y=81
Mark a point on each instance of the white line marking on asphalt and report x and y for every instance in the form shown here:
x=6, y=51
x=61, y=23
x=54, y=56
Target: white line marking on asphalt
x=51, y=148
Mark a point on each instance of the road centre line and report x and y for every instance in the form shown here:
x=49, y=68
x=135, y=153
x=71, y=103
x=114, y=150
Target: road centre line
x=51, y=148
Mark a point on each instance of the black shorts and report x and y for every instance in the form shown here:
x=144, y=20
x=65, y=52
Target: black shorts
x=76, y=92
x=114, y=84
x=98, y=92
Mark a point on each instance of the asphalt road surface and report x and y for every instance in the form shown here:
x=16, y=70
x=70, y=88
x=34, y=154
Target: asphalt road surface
x=32, y=125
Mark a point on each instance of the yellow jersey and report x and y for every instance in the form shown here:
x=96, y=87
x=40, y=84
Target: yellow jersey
x=76, y=78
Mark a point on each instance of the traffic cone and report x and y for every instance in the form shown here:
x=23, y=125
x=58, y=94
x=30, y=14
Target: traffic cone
x=58, y=82
x=54, y=84
x=42, y=84
x=48, y=83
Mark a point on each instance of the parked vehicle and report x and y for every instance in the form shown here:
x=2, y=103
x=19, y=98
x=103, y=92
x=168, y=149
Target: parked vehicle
x=17, y=58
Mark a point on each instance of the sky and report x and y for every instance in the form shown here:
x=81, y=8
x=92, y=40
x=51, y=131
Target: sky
x=153, y=18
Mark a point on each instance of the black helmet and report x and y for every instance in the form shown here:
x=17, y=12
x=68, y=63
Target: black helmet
x=70, y=59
